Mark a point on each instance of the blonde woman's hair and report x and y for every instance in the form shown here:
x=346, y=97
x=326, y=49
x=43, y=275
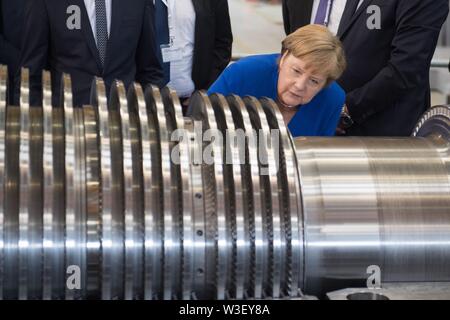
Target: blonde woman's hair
x=321, y=51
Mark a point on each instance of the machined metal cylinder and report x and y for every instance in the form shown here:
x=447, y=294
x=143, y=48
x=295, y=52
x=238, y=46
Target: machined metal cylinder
x=128, y=199
x=374, y=202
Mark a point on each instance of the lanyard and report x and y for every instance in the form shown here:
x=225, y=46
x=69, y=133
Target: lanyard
x=170, y=20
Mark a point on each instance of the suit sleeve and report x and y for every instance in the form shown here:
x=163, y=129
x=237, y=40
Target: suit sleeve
x=418, y=25
x=337, y=102
x=223, y=40
x=148, y=66
x=35, y=46
x=9, y=54
x=220, y=86
x=286, y=20
x=229, y=82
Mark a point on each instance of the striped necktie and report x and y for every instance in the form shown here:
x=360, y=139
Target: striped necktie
x=321, y=16
x=102, y=29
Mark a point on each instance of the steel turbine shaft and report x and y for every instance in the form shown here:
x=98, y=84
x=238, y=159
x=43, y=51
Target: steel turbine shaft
x=95, y=190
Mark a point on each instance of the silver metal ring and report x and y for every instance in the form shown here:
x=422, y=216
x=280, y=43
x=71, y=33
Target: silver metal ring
x=75, y=194
x=117, y=201
x=52, y=236
x=99, y=101
x=81, y=202
x=93, y=208
x=274, y=230
x=217, y=238
x=154, y=230
x=139, y=140
x=171, y=248
x=132, y=194
x=185, y=198
x=25, y=242
x=434, y=122
x=136, y=102
x=234, y=199
x=11, y=226
x=3, y=105
x=199, y=223
x=177, y=199
x=70, y=162
x=290, y=193
x=254, y=197
x=160, y=171
x=35, y=205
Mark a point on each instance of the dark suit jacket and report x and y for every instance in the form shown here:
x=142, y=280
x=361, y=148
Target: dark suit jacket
x=11, y=19
x=387, y=79
x=213, y=41
x=131, y=51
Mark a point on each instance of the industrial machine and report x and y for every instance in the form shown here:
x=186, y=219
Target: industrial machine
x=108, y=201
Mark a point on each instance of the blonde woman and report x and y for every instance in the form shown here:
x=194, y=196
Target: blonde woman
x=301, y=79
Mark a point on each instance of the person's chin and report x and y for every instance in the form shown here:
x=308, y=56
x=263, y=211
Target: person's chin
x=294, y=102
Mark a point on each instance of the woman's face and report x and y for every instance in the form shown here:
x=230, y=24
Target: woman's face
x=297, y=85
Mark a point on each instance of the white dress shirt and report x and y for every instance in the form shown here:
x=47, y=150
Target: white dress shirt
x=337, y=11
x=90, y=8
x=181, y=17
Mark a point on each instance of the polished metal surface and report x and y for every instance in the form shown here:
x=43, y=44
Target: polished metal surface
x=126, y=199
x=93, y=209
x=234, y=200
x=3, y=106
x=10, y=205
x=53, y=202
x=396, y=291
x=382, y=202
x=290, y=197
x=253, y=195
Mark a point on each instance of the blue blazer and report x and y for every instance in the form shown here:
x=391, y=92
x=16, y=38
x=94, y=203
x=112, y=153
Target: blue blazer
x=258, y=76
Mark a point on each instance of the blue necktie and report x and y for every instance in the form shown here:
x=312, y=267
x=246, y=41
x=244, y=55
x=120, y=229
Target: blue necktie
x=102, y=29
x=162, y=34
x=321, y=15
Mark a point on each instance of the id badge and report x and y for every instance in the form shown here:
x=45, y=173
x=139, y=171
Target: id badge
x=170, y=53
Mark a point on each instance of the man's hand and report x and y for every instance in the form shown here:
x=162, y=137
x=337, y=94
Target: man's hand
x=340, y=131
x=345, y=122
x=185, y=105
x=185, y=102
